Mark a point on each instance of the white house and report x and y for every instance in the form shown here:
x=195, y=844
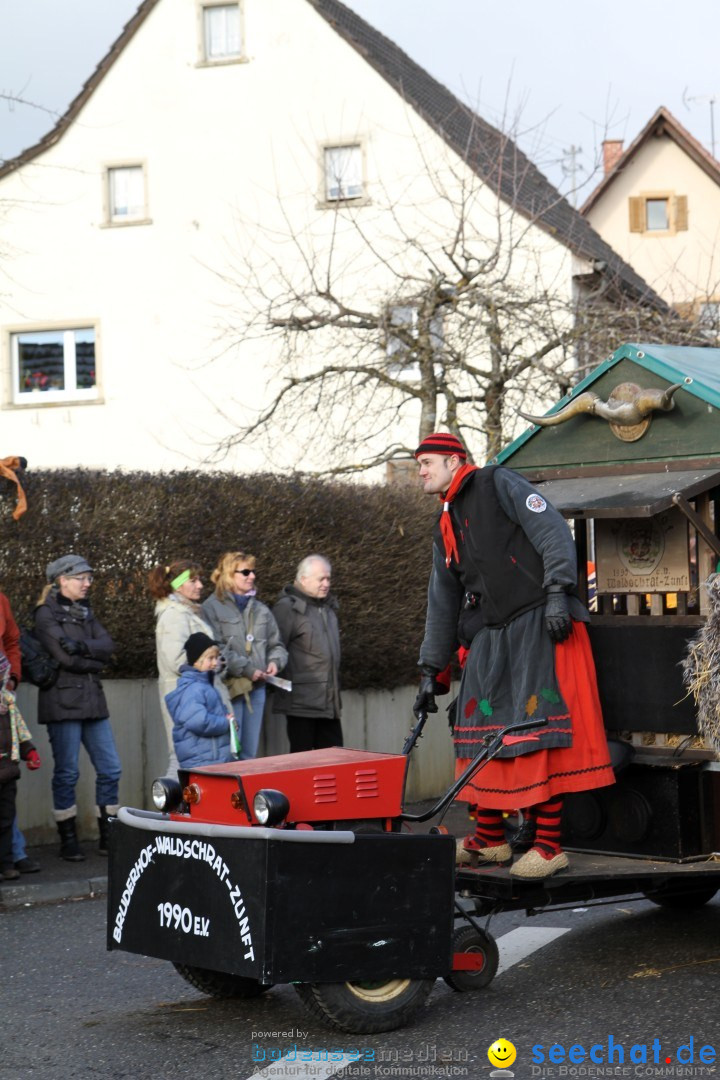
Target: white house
x=221, y=153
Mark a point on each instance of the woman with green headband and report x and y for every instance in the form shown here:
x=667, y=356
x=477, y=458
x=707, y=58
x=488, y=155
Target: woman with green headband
x=177, y=588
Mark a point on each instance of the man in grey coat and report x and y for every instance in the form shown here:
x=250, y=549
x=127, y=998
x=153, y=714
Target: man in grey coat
x=306, y=615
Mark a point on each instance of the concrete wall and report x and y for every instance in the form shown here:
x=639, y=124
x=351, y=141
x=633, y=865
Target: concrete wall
x=376, y=720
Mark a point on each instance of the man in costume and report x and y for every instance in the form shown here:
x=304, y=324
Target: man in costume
x=504, y=577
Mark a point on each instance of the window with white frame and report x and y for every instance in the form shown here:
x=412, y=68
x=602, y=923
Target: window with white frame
x=343, y=173
x=53, y=365
x=400, y=348
x=126, y=194
x=222, y=32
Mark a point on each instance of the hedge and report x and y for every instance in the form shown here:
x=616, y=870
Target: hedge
x=377, y=538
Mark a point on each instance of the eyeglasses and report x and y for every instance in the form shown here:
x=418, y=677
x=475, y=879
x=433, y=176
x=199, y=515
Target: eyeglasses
x=85, y=579
x=245, y=572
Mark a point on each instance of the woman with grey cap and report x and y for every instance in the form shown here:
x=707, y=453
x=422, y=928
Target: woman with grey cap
x=74, y=708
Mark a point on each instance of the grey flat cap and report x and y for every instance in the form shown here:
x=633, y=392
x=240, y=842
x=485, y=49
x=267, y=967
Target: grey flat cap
x=67, y=565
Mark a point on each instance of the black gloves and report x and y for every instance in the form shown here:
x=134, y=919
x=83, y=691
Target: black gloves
x=425, y=700
x=74, y=648
x=557, y=614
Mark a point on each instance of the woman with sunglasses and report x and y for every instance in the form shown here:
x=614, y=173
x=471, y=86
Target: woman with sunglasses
x=250, y=641
x=177, y=588
x=74, y=707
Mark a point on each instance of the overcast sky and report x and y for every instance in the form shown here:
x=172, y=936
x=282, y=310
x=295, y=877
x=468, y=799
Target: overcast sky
x=560, y=74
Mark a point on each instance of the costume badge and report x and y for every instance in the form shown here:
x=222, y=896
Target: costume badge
x=536, y=503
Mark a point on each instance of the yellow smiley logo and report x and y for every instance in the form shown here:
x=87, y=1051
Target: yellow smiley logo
x=502, y=1054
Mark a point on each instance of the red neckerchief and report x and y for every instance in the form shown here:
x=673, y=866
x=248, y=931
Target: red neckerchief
x=446, y=529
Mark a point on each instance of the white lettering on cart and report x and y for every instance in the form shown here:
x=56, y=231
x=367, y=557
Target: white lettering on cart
x=144, y=859
x=243, y=921
x=175, y=917
x=201, y=851
x=192, y=849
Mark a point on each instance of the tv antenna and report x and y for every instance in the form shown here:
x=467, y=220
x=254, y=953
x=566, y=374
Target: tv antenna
x=711, y=99
x=571, y=167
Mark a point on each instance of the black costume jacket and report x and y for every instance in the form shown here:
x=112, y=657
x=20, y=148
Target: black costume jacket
x=511, y=545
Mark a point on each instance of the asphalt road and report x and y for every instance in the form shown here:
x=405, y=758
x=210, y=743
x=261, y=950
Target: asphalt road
x=629, y=972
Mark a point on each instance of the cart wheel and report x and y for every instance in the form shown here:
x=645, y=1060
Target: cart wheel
x=467, y=939
x=365, y=1007
x=679, y=899
x=220, y=984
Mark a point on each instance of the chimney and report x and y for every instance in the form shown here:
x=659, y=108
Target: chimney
x=612, y=152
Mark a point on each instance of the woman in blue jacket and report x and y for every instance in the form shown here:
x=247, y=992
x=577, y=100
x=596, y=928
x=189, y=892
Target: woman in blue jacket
x=201, y=723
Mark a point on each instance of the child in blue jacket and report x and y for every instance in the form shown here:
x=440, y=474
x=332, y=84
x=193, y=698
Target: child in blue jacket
x=201, y=723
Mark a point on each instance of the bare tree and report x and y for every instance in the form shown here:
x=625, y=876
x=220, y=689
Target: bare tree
x=388, y=325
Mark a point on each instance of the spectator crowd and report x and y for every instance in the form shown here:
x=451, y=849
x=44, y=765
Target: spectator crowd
x=216, y=660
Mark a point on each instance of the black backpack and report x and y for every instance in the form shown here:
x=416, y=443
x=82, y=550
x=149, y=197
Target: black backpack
x=38, y=666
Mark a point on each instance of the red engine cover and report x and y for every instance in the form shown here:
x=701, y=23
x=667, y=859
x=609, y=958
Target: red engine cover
x=320, y=785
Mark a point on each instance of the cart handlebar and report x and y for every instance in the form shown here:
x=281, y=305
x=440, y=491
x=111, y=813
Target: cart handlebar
x=415, y=732
x=485, y=753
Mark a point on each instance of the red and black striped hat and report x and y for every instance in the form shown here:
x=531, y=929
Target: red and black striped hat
x=442, y=443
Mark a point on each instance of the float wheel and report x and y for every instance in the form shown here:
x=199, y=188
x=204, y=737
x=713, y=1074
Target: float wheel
x=681, y=899
x=365, y=1007
x=220, y=984
x=481, y=946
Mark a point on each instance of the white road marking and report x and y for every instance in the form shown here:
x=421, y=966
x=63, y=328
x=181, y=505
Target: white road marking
x=307, y=1070
x=524, y=940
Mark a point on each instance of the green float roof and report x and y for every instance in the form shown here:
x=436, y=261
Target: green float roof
x=698, y=368
x=680, y=363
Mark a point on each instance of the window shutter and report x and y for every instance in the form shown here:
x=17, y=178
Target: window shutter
x=636, y=206
x=681, y=213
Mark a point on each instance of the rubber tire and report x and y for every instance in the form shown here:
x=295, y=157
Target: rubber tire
x=365, y=1008
x=672, y=897
x=220, y=984
x=468, y=939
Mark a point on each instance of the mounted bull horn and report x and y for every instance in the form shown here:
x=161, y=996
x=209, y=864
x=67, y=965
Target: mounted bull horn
x=628, y=409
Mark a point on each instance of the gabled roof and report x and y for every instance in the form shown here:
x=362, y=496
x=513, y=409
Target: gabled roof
x=55, y=134
x=662, y=123
x=493, y=156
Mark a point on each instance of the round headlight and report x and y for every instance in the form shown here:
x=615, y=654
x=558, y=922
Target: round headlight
x=270, y=807
x=166, y=794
